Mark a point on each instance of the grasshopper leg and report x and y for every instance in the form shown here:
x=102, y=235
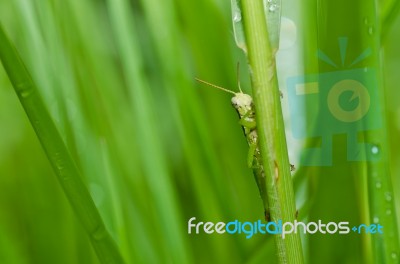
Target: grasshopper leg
x=249, y=124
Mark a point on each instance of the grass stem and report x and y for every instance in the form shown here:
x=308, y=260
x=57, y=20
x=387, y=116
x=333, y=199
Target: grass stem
x=271, y=128
x=66, y=170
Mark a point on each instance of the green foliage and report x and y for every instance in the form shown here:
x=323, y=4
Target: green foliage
x=154, y=148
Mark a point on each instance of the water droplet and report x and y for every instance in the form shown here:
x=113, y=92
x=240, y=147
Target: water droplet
x=388, y=196
x=388, y=212
x=272, y=8
x=394, y=255
x=375, y=150
x=376, y=220
x=99, y=233
x=26, y=93
x=366, y=22
x=371, y=30
x=378, y=185
x=237, y=16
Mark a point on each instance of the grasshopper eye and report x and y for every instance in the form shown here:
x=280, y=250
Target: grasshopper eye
x=234, y=102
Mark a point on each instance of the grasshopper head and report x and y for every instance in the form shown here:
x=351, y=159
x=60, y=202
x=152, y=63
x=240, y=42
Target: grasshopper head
x=242, y=103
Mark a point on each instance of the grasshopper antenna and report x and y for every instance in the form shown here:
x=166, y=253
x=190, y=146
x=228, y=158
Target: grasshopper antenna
x=237, y=76
x=215, y=86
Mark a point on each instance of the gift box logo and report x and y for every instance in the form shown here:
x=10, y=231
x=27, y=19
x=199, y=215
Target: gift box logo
x=344, y=101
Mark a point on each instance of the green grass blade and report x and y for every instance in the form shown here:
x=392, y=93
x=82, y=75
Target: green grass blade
x=372, y=175
x=389, y=13
x=57, y=153
x=270, y=127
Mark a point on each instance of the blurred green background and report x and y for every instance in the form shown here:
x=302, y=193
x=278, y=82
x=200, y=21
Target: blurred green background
x=156, y=148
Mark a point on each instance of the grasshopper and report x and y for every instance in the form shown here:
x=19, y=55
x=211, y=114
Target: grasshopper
x=243, y=103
